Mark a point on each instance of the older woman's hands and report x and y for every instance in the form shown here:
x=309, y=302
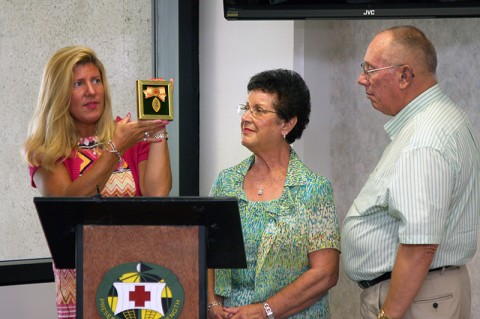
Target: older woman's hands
x=252, y=311
x=128, y=133
x=217, y=312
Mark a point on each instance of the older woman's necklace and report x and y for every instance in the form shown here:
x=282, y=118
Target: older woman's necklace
x=272, y=185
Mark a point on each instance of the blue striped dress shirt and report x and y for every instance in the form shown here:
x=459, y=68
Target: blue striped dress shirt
x=424, y=190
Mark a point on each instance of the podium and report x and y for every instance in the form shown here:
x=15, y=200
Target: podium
x=142, y=257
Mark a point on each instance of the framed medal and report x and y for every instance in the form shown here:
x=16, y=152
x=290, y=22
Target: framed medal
x=155, y=100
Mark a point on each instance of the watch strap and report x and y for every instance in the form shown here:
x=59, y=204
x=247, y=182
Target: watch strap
x=268, y=310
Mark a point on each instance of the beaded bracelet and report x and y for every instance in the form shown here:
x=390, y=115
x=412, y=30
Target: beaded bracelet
x=213, y=304
x=163, y=136
x=114, y=150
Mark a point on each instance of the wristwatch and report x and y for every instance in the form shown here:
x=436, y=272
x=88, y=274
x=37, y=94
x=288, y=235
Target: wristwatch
x=381, y=314
x=268, y=310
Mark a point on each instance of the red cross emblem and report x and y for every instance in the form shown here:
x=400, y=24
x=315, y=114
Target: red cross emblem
x=139, y=296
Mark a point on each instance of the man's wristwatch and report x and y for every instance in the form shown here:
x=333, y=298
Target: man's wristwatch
x=268, y=310
x=381, y=314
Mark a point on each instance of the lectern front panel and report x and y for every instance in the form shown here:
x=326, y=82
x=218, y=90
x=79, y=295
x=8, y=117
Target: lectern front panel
x=178, y=251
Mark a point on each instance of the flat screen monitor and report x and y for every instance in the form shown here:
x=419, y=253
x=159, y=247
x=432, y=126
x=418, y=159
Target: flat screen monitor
x=348, y=9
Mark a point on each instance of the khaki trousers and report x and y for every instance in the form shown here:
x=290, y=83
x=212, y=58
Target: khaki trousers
x=445, y=294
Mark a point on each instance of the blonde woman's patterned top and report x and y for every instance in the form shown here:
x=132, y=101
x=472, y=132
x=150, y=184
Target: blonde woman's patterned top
x=278, y=234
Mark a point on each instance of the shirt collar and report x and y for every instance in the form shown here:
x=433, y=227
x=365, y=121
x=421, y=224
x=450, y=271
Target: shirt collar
x=399, y=121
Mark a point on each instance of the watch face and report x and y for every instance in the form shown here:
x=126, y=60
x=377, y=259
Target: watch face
x=381, y=314
x=268, y=311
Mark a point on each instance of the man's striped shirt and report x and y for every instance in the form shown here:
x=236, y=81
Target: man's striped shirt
x=424, y=190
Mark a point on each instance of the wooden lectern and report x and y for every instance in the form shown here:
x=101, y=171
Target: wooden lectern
x=136, y=254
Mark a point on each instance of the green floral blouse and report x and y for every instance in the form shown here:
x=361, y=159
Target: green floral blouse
x=278, y=234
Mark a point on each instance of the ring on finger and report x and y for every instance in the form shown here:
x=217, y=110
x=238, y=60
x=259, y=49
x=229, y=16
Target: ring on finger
x=146, y=134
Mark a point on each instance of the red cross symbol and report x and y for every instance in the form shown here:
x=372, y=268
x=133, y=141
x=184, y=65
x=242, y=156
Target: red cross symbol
x=139, y=296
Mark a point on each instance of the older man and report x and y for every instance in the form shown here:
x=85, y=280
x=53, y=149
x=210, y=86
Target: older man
x=414, y=225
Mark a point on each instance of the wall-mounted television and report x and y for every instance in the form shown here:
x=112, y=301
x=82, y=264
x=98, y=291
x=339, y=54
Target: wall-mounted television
x=348, y=9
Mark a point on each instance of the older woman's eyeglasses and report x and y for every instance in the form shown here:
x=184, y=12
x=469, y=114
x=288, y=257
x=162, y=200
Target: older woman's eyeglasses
x=256, y=111
x=368, y=72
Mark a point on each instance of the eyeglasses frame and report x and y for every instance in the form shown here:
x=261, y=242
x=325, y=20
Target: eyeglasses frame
x=367, y=72
x=245, y=107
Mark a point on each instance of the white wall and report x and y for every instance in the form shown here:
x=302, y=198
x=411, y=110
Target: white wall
x=230, y=53
x=28, y=301
x=233, y=51
x=312, y=61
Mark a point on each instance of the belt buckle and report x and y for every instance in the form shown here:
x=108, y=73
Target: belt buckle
x=364, y=284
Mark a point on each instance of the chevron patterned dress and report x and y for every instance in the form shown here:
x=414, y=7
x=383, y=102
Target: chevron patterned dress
x=120, y=183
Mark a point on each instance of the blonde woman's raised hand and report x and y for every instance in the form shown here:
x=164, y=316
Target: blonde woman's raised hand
x=128, y=133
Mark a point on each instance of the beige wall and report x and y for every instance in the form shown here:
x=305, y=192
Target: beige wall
x=30, y=32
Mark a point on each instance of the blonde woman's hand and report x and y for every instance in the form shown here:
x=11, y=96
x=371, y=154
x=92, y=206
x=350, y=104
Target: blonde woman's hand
x=128, y=133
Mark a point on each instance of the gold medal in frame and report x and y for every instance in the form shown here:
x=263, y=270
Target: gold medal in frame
x=155, y=100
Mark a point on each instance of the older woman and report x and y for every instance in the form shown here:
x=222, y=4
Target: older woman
x=289, y=223
x=75, y=148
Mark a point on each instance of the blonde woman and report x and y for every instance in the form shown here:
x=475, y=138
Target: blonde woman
x=76, y=148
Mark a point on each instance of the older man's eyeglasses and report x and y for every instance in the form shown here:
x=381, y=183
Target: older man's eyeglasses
x=368, y=72
x=256, y=111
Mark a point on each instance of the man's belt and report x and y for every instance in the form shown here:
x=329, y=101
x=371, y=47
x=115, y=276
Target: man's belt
x=364, y=284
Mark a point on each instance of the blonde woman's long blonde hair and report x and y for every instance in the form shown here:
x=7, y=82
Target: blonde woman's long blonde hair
x=52, y=132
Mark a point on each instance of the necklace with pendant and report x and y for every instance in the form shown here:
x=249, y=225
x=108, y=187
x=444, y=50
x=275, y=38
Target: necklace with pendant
x=262, y=187
x=260, y=191
x=257, y=185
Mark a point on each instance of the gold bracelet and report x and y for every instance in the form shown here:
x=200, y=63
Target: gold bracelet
x=381, y=314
